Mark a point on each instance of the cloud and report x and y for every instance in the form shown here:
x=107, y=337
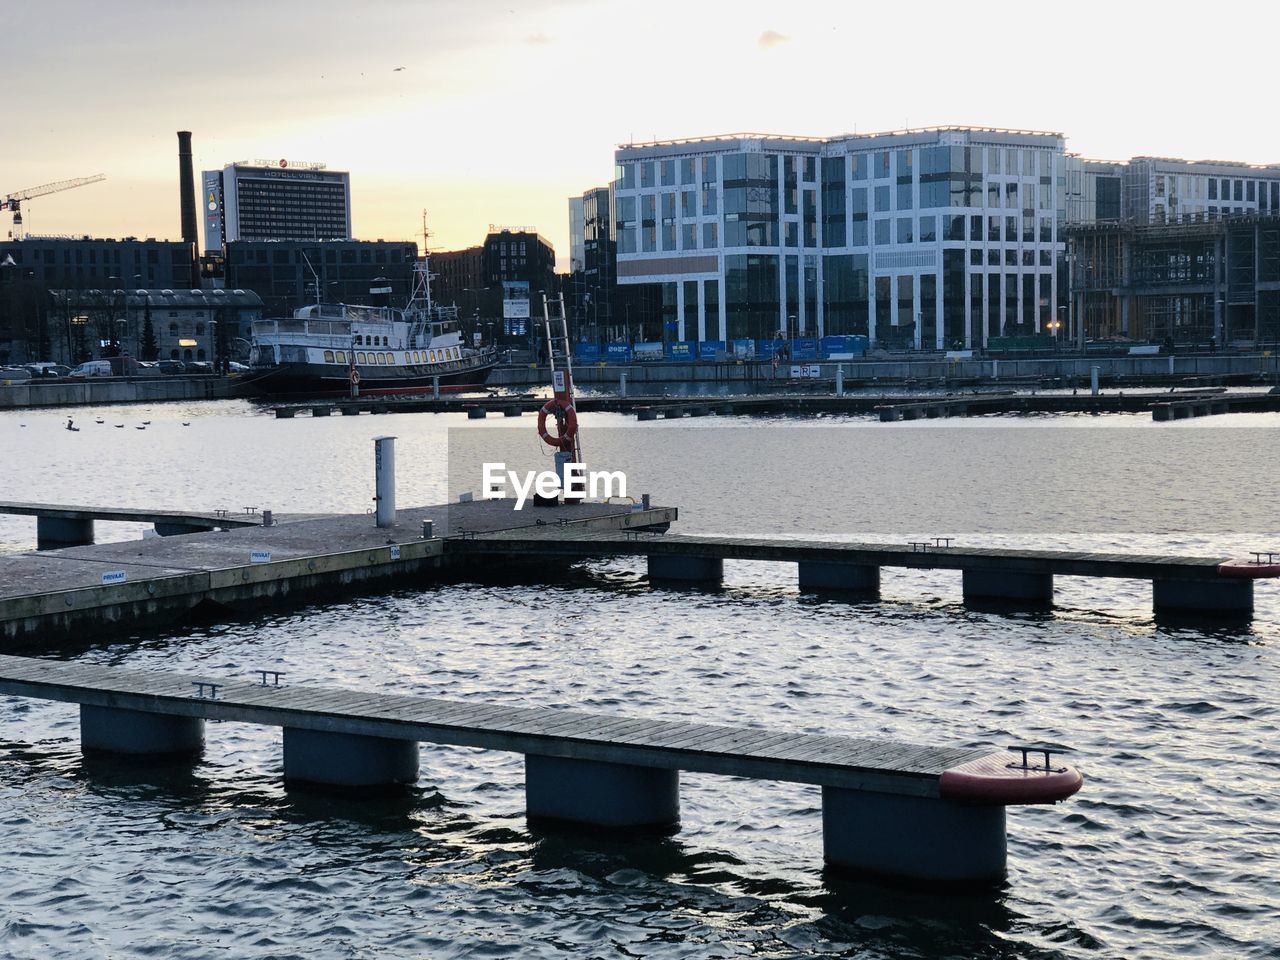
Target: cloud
x=538, y=39
x=771, y=38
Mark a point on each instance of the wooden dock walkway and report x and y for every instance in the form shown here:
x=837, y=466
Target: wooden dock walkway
x=60, y=524
x=77, y=591
x=595, y=769
x=793, y=402
x=1182, y=584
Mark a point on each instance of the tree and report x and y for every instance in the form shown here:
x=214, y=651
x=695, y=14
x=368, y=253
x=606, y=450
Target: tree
x=150, y=347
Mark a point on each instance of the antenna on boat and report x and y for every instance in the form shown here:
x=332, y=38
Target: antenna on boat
x=315, y=278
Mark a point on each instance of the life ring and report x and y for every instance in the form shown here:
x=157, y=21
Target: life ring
x=566, y=422
x=355, y=376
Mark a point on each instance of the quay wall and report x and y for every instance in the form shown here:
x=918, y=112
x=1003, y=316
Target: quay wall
x=106, y=390
x=1133, y=369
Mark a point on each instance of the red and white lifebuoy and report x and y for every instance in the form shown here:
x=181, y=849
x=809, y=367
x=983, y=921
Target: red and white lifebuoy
x=566, y=423
x=355, y=375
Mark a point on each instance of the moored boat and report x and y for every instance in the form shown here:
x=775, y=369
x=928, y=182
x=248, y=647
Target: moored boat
x=327, y=348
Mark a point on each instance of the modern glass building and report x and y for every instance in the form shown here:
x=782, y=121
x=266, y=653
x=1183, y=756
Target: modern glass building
x=935, y=238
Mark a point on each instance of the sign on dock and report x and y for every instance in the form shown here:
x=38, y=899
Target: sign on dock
x=113, y=576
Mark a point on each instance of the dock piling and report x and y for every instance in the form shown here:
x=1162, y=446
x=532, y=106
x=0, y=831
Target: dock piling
x=1206, y=598
x=54, y=532
x=675, y=567
x=818, y=576
x=347, y=760
x=1008, y=587
x=599, y=793
x=137, y=732
x=914, y=838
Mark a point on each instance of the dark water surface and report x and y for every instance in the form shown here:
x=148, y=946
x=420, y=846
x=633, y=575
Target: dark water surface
x=1171, y=850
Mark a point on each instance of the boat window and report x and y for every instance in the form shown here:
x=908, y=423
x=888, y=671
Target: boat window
x=359, y=341
x=342, y=356
x=360, y=357
x=383, y=359
x=328, y=356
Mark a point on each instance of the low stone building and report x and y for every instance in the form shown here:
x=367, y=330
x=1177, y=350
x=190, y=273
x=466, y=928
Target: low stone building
x=186, y=324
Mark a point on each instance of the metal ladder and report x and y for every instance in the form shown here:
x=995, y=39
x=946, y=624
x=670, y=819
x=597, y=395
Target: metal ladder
x=560, y=359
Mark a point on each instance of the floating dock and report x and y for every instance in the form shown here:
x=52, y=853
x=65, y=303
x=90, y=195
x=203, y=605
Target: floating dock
x=76, y=591
x=66, y=525
x=887, y=406
x=1213, y=587
x=922, y=813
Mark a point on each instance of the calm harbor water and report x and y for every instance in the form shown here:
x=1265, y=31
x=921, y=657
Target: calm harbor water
x=1171, y=850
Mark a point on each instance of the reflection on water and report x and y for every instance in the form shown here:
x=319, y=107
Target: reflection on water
x=1169, y=850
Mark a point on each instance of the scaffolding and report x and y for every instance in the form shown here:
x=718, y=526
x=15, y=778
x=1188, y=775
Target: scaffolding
x=1210, y=281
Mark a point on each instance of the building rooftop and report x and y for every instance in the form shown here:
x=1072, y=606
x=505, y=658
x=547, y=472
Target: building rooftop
x=165, y=297
x=818, y=141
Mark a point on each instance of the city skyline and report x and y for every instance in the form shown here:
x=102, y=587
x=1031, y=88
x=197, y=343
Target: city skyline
x=486, y=113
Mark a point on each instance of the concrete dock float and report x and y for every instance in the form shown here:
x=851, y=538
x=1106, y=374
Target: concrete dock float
x=71, y=525
x=1215, y=587
x=134, y=584
x=906, y=811
x=889, y=407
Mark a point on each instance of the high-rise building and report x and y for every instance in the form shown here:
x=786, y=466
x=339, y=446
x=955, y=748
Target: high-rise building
x=285, y=200
x=934, y=238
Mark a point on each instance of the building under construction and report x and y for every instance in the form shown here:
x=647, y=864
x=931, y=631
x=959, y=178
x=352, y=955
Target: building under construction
x=1208, y=281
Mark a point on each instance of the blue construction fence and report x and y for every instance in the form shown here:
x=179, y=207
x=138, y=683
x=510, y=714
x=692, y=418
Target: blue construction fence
x=724, y=351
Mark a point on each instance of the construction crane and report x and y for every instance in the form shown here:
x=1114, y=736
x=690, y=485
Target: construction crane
x=14, y=200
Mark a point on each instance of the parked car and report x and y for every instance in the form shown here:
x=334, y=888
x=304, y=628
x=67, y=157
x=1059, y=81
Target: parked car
x=171, y=366
x=92, y=368
x=14, y=374
x=235, y=367
x=47, y=368
x=199, y=367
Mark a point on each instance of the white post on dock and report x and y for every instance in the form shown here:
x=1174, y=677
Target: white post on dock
x=435, y=388
x=384, y=464
x=622, y=384
x=839, y=379
x=1093, y=380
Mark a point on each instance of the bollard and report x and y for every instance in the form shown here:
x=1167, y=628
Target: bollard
x=384, y=465
x=428, y=529
x=1093, y=380
x=622, y=384
x=839, y=379
x=644, y=501
x=267, y=520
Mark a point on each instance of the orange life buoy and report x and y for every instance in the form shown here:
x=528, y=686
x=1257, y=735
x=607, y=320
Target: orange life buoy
x=355, y=376
x=566, y=423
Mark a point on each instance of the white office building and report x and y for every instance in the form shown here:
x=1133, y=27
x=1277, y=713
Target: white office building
x=936, y=238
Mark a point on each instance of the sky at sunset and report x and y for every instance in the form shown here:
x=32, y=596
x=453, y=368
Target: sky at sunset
x=504, y=109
